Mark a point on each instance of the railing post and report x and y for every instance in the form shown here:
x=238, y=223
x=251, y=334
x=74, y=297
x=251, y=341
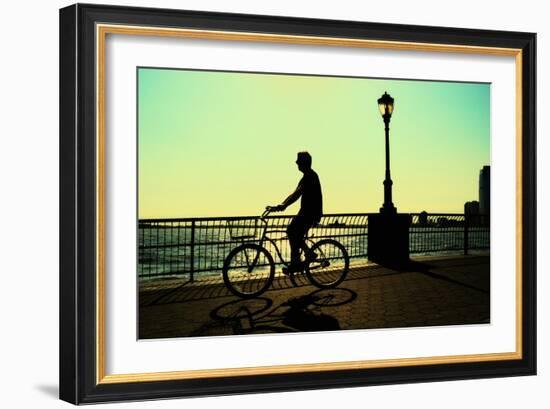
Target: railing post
x=466, y=234
x=192, y=255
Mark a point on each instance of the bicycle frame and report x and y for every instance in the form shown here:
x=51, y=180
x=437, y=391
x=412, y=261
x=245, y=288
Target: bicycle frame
x=265, y=237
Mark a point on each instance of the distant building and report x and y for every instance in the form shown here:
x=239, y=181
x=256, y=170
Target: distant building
x=471, y=211
x=485, y=190
x=471, y=208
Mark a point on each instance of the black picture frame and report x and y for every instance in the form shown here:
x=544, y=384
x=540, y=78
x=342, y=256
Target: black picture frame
x=79, y=381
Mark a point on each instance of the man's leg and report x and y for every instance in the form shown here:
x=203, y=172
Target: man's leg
x=293, y=232
x=303, y=245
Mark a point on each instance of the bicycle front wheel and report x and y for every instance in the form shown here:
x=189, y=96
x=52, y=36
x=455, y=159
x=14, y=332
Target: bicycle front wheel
x=248, y=270
x=331, y=266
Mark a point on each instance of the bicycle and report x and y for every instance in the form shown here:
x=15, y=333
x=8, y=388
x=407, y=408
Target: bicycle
x=249, y=269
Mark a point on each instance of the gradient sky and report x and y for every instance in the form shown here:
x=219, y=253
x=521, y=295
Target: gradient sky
x=225, y=144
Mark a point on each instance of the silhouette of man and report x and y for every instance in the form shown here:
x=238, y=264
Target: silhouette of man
x=311, y=210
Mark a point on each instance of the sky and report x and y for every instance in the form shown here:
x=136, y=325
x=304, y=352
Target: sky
x=225, y=144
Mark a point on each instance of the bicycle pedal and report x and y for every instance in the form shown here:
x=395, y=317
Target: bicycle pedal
x=311, y=257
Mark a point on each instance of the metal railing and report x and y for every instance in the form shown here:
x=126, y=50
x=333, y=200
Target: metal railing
x=446, y=233
x=195, y=246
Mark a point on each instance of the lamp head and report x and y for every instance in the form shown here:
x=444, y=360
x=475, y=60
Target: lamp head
x=385, y=104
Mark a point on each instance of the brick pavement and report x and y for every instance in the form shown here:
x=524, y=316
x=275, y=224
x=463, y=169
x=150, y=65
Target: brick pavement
x=442, y=291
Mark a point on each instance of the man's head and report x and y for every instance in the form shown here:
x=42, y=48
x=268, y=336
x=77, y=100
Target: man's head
x=303, y=161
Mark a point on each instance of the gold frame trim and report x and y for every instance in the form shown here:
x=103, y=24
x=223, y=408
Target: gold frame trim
x=102, y=30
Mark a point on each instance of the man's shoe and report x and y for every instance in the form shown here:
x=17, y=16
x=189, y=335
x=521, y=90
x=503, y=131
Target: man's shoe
x=292, y=268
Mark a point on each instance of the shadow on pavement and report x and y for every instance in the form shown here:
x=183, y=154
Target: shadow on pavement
x=309, y=312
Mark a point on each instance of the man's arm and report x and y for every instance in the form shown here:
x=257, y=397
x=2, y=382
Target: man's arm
x=292, y=197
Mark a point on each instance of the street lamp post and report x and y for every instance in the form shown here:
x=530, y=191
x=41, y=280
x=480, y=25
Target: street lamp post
x=386, y=106
x=388, y=242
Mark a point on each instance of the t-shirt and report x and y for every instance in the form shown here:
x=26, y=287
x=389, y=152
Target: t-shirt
x=311, y=205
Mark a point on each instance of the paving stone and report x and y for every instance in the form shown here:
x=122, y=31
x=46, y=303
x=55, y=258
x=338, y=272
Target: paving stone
x=444, y=291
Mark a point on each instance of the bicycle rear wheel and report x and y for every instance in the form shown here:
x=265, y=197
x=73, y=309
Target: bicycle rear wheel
x=331, y=266
x=248, y=270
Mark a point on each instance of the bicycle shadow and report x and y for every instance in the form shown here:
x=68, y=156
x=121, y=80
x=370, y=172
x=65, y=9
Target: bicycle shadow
x=306, y=313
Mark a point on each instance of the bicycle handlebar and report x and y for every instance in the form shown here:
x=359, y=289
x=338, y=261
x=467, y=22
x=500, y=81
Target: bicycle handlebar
x=269, y=209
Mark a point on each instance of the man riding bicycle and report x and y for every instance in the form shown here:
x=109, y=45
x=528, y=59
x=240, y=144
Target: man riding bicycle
x=311, y=210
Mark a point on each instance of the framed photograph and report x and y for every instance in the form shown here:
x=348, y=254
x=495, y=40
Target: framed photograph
x=257, y=203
